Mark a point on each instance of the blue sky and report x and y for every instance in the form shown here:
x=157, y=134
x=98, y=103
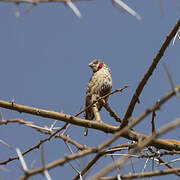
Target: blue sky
x=44, y=63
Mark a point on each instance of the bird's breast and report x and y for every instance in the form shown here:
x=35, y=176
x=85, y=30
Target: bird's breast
x=100, y=83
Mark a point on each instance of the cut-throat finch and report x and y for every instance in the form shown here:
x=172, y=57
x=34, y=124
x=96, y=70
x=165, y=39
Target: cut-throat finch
x=99, y=85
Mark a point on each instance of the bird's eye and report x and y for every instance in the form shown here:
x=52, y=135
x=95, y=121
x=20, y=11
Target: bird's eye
x=95, y=62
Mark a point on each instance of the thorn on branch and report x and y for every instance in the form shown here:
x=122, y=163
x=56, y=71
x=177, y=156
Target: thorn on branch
x=17, y=12
x=23, y=163
x=74, y=8
x=127, y=8
x=37, y=112
x=30, y=7
x=171, y=79
x=176, y=36
x=152, y=121
x=12, y=102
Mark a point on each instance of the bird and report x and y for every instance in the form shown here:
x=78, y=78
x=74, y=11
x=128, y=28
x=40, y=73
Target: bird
x=99, y=85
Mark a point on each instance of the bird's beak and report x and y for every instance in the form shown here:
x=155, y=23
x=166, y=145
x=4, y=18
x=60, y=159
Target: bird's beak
x=90, y=65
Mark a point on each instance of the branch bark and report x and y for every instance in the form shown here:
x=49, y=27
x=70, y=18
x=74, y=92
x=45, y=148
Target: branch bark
x=58, y=116
x=143, y=175
x=132, y=135
x=148, y=74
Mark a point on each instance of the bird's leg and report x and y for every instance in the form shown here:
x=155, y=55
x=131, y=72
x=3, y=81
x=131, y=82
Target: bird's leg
x=95, y=110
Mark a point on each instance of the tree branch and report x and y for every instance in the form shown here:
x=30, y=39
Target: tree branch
x=58, y=116
x=58, y=162
x=132, y=135
x=143, y=175
x=145, y=142
x=148, y=74
x=51, y=133
x=100, y=154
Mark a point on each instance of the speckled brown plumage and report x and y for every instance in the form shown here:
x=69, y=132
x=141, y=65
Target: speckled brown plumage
x=99, y=85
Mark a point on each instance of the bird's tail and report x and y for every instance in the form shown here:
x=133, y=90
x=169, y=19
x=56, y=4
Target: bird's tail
x=85, y=131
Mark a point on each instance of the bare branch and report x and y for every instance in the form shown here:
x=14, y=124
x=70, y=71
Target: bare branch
x=120, y=162
x=148, y=74
x=152, y=121
x=58, y=116
x=143, y=175
x=112, y=92
x=100, y=154
x=149, y=140
x=111, y=112
x=52, y=134
x=164, y=162
x=170, y=79
x=59, y=162
x=132, y=135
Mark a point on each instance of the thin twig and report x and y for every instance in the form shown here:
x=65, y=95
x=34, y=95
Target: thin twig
x=70, y=149
x=152, y=121
x=164, y=162
x=100, y=154
x=32, y=148
x=111, y=112
x=145, y=165
x=170, y=79
x=112, y=92
x=59, y=162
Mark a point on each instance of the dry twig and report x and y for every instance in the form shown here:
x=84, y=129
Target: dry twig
x=143, y=175
x=52, y=134
x=148, y=74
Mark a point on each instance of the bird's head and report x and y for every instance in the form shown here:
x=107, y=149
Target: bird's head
x=96, y=65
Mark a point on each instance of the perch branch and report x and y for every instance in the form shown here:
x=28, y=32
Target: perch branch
x=112, y=92
x=132, y=135
x=58, y=116
x=119, y=163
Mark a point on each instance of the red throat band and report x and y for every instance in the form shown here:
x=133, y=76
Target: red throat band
x=100, y=66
